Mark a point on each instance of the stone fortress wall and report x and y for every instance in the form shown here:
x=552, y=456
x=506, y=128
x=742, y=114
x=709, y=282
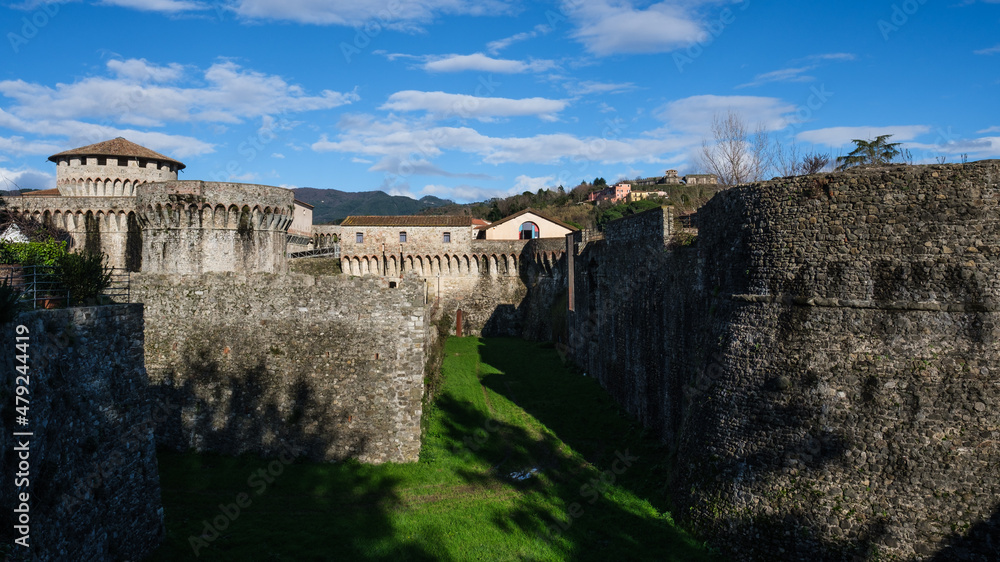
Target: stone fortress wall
x=822, y=360
x=331, y=365
x=93, y=482
x=109, y=224
x=489, y=280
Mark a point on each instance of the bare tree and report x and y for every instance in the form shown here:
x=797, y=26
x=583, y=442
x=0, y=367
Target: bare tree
x=789, y=162
x=786, y=160
x=813, y=163
x=737, y=155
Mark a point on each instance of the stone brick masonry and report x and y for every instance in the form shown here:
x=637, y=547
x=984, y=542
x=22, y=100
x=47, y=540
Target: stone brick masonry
x=331, y=364
x=94, y=486
x=823, y=361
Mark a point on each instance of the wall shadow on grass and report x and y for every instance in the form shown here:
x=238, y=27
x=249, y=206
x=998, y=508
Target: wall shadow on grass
x=300, y=511
x=584, y=502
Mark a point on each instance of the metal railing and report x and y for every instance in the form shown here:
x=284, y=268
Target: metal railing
x=40, y=286
x=120, y=290
x=317, y=252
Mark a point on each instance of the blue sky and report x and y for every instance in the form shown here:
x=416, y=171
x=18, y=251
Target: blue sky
x=469, y=99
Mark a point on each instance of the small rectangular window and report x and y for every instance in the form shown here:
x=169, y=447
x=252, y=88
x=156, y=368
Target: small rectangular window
x=359, y=238
x=402, y=237
x=447, y=237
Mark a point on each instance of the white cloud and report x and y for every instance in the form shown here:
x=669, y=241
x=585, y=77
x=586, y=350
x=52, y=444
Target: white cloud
x=79, y=133
x=412, y=145
x=230, y=94
x=466, y=192
x=20, y=146
x=418, y=167
x=364, y=135
x=695, y=114
x=495, y=47
x=461, y=192
x=990, y=51
x=442, y=104
x=278, y=155
x=796, y=74
x=532, y=184
x=169, y=6
x=975, y=149
x=840, y=136
x=607, y=28
x=831, y=56
x=374, y=16
x=479, y=62
x=589, y=87
x=25, y=178
x=140, y=70
x=989, y=130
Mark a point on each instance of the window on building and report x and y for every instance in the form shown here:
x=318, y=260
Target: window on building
x=402, y=237
x=528, y=231
x=359, y=238
x=447, y=237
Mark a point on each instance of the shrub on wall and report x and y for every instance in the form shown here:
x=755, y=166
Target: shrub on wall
x=32, y=253
x=85, y=276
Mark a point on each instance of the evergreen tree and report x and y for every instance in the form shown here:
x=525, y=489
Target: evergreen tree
x=877, y=151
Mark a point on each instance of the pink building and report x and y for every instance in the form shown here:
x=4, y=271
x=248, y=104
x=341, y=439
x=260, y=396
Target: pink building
x=615, y=193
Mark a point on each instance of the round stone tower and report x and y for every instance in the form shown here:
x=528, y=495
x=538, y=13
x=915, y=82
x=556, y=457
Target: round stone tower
x=193, y=227
x=111, y=169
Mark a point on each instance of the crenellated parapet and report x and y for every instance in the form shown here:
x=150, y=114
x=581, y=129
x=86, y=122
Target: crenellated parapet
x=199, y=227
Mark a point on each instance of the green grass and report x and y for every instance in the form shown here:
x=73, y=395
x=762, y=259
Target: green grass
x=505, y=406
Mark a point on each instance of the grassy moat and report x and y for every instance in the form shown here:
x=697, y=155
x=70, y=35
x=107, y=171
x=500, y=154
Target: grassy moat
x=522, y=459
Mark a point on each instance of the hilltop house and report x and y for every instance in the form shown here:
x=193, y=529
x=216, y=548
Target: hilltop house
x=670, y=177
x=614, y=193
x=526, y=225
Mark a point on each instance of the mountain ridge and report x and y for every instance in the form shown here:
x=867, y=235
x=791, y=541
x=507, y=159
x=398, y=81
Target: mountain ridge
x=333, y=205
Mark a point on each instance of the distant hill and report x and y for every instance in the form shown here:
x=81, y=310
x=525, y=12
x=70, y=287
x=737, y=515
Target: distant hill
x=334, y=205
